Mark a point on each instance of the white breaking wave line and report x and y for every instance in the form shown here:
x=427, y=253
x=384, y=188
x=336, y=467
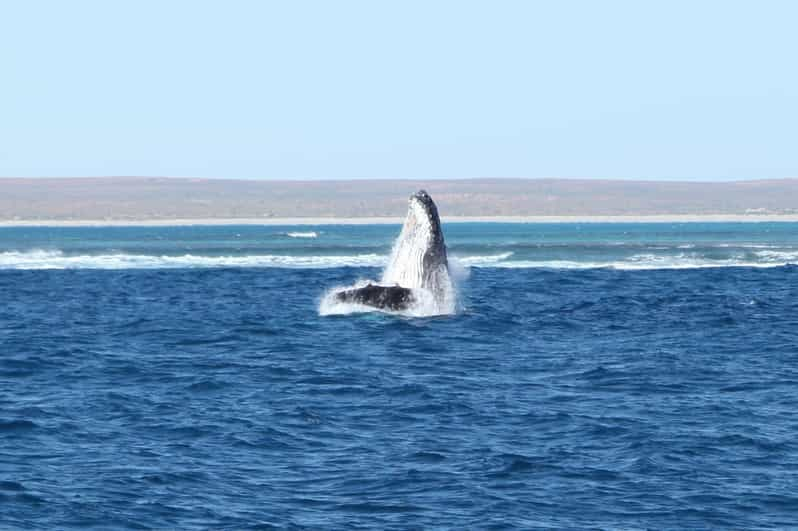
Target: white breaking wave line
x=46, y=259
x=778, y=256
x=39, y=259
x=310, y=234
x=482, y=260
x=632, y=266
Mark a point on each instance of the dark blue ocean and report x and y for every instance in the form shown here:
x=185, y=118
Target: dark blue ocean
x=614, y=376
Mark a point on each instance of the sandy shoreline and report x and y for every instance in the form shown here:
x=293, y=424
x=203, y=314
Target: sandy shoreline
x=398, y=220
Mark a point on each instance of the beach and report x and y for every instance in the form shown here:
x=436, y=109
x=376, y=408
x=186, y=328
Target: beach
x=393, y=220
x=177, y=201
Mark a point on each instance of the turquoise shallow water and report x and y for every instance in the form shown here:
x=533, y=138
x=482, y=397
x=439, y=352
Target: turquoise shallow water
x=610, y=376
x=560, y=246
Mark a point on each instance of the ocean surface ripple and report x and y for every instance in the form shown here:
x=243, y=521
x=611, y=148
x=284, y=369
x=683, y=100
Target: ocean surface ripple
x=198, y=398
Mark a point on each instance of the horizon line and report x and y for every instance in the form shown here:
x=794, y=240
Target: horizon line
x=402, y=179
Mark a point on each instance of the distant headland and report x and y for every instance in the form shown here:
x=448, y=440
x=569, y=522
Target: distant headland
x=145, y=200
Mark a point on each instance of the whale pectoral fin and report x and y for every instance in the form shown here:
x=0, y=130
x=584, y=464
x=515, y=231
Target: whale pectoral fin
x=382, y=297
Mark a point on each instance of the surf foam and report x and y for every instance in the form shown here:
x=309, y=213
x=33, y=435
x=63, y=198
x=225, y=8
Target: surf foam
x=309, y=234
x=42, y=259
x=459, y=266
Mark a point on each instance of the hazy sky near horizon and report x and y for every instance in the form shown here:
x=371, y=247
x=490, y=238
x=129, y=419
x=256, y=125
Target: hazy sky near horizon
x=687, y=90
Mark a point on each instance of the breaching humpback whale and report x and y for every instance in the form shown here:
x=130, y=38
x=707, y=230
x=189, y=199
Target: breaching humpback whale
x=418, y=270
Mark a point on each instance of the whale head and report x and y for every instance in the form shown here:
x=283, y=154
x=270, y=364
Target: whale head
x=418, y=260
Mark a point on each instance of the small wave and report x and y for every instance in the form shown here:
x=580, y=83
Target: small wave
x=460, y=265
x=651, y=261
x=636, y=262
x=308, y=234
x=778, y=256
x=635, y=265
x=39, y=259
x=17, y=425
x=748, y=245
x=482, y=260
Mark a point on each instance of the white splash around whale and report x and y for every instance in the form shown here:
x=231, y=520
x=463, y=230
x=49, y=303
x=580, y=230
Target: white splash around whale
x=418, y=263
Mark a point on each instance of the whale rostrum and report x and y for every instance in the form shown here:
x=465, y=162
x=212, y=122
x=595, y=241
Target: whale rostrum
x=418, y=267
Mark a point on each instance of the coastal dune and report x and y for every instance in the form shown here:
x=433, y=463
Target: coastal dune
x=143, y=200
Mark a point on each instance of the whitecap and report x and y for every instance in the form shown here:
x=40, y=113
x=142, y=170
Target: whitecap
x=483, y=260
x=308, y=234
x=778, y=256
x=42, y=259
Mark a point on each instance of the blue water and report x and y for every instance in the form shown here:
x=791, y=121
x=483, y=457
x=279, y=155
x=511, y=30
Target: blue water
x=597, y=376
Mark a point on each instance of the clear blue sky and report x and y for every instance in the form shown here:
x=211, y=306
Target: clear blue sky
x=693, y=90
